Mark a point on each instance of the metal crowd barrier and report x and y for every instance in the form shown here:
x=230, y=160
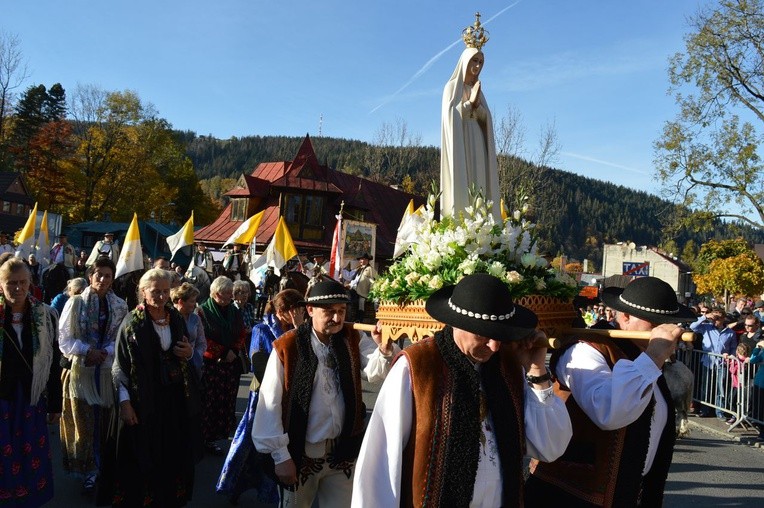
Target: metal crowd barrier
x=714, y=389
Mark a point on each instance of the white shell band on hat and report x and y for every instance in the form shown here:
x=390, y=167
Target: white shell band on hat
x=478, y=315
x=327, y=297
x=648, y=309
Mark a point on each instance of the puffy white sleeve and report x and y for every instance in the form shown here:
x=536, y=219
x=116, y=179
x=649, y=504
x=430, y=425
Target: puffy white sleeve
x=547, y=424
x=611, y=398
x=375, y=364
x=377, y=480
x=268, y=433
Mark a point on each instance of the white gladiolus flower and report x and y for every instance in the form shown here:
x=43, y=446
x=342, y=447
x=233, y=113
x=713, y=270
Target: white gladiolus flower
x=432, y=260
x=468, y=240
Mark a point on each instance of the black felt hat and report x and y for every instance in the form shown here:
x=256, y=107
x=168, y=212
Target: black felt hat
x=326, y=293
x=365, y=255
x=648, y=298
x=481, y=304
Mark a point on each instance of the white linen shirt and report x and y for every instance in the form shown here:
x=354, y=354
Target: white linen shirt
x=327, y=407
x=614, y=398
x=377, y=480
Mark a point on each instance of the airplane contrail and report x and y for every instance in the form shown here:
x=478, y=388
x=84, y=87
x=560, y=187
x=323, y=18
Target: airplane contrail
x=606, y=163
x=435, y=58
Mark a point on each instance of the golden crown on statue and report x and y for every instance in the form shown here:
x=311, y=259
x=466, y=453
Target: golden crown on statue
x=475, y=36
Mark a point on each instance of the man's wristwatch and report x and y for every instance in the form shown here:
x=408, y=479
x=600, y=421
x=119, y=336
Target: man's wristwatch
x=537, y=380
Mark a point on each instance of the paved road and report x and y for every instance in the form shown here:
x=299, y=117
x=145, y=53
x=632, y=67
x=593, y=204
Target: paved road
x=709, y=470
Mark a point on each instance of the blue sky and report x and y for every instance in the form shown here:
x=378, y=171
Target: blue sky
x=597, y=70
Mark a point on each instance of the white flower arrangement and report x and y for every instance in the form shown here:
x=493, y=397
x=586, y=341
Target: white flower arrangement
x=473, y=242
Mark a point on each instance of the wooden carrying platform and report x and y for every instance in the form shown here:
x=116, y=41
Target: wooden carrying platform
x=555, y=319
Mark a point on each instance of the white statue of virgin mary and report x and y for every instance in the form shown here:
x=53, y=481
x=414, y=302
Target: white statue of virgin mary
x=468, y=151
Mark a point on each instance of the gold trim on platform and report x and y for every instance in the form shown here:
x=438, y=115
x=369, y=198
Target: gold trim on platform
x=412, y=320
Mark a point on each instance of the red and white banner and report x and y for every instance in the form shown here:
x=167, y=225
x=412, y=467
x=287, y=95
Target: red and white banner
x=335, y=260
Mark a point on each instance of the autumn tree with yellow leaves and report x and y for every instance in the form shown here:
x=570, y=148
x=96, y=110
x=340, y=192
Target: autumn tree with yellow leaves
x=729, y=267
x=126, y=160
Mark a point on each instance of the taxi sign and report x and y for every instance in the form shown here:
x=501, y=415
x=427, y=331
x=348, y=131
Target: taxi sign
x=636, y=269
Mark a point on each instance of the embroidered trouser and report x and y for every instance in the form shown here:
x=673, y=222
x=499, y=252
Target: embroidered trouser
x=333, y=487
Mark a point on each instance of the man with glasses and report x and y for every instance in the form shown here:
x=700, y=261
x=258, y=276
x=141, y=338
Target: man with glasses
x=717, y=339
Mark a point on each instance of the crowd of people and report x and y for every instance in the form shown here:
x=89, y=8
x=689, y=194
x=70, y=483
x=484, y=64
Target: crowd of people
x=141, y=392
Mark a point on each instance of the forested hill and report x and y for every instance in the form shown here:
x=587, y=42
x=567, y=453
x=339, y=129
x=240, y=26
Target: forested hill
x=576, y=214
x=231, y=157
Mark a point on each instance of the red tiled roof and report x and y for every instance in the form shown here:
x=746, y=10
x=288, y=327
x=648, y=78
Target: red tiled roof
x=270, y=171
x=383, y=204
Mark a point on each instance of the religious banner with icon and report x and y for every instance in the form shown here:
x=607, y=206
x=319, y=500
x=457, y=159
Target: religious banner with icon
x=358, y=238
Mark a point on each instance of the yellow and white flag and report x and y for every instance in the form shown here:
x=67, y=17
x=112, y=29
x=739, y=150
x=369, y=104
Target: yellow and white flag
x=407, y=229
x=131, y=256
x=279, y=251
x=25, y=238
x=43, y=242
x=183, y=238
x=245, y=233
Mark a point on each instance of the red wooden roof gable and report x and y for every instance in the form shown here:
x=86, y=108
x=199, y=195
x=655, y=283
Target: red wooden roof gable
x=253, y=186
x=383, y=205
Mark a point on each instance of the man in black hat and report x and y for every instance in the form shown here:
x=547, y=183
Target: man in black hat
x=319, y=266
x=234, y=262
x=310, y=416
x=620, y=406
x=203, y=258
x=361, y=283
x=458, y=411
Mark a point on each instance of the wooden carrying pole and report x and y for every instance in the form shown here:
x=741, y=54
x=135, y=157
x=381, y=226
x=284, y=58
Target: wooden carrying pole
x=580, y=333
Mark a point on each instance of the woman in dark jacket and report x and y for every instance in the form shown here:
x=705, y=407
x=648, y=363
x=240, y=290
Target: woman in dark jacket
x=30, y=389
x=157, y=441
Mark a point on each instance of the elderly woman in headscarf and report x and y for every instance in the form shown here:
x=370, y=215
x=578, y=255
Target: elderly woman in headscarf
x=241, y=470
x=88, y=329
x=150, y=460
x=184, y=300
x=30, y=388
x=223, y=364
x=468, y=150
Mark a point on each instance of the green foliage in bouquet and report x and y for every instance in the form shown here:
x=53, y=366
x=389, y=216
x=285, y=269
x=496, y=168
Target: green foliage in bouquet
x=442, y=252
